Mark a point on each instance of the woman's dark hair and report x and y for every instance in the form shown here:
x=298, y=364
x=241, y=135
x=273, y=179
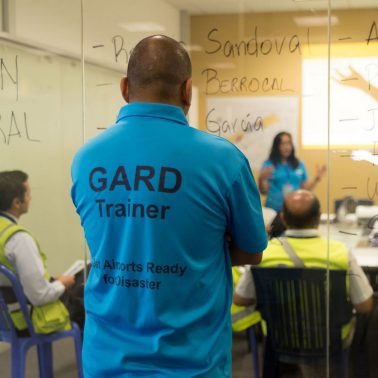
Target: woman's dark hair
x=275, y=156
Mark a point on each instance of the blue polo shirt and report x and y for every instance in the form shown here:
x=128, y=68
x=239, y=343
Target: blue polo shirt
x=156, y=199
x=284, y=179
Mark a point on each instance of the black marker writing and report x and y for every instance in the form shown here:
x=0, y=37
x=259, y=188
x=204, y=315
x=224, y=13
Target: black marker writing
x=217, y=125
x=118, y=43
x=215, y=84
x=371, y=190
x=5, y=73
x=372, y=73
x=373, y=33
x=253, y=46
x=14, y=130
x=373, y=124
x=29, y=138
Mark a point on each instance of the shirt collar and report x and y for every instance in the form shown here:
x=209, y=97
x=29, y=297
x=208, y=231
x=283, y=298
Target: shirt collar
x=8, y=216
x=305, y=233
x=153, y=110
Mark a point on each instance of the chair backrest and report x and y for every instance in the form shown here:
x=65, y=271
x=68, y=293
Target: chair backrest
x=293, y=303
x=7, y=329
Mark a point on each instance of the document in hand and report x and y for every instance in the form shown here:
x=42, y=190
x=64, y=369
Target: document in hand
x=75, y=268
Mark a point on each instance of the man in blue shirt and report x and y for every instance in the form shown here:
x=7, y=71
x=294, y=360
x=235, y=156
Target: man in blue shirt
x=166, y=209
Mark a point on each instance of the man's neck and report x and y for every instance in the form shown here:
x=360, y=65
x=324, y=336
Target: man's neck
x=305, y=232
x=10, y=214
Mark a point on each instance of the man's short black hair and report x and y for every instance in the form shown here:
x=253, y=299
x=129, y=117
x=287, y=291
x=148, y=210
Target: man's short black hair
x=11, y=187
x=308, y=218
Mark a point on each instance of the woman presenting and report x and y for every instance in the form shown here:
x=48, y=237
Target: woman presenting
x=283, y=172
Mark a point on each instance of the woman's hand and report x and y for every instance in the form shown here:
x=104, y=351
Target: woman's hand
x=320, y=172
x=265, y=175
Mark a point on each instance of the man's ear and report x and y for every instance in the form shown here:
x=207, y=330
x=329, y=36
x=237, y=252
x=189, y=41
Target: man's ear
x=125, y=88
x=186, y=95
x=16, y=203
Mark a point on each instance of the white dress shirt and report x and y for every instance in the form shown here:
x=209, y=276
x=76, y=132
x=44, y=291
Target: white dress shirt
x=22, y=252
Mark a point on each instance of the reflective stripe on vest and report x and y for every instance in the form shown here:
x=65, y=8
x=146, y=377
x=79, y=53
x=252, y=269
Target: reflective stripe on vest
x=7, y=230
x=244, y=317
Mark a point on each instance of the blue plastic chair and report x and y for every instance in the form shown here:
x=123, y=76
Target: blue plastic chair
x=21, y=344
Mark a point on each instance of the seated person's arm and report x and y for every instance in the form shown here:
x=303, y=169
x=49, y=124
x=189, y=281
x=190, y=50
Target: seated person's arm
x=67, y=281
x=361, y=292
x=23, y=253
x=245, y=293
x=365, y=307
x=240, y=257
x=241, y=301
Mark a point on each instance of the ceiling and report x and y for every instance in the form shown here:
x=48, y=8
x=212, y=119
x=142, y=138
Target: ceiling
x=197, y=7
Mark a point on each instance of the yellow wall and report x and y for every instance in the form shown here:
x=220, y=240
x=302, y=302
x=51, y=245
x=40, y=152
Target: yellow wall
x=278, y=61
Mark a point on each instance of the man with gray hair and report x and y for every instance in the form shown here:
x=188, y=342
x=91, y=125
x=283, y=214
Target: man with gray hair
x=301, y=216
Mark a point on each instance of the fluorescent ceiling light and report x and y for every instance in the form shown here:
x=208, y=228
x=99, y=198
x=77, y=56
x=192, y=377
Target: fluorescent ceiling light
x=307, y=21
x=142, y=27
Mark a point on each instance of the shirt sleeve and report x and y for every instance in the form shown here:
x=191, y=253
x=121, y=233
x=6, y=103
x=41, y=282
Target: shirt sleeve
x=266, y=164
x=245, y=287
x=360, y=288
x=22, y=252
x=246, y=223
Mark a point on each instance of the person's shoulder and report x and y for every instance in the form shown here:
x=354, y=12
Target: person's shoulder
x=335, y=245
x=267, y=163
x=19, y=237
x=93, y=144
x=301, y=163
x=215, y=143
x=274, y=243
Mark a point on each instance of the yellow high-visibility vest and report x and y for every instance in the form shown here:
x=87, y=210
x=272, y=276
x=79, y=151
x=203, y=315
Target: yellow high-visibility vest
x=56, y=308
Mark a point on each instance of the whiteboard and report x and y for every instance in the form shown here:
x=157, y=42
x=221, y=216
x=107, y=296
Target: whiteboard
x=41, y=128
x=353, y=111
x=251, y=123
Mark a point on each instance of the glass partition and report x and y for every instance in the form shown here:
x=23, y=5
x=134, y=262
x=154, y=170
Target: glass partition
x=353, y=136
x=40, y=129
x=308, y=68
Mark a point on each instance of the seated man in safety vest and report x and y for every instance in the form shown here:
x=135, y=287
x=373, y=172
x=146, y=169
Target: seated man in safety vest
x=301, y=216
x=21, y=253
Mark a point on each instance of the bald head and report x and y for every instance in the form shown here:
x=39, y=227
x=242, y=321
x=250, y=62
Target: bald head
x=159, y=70
x=301, y=210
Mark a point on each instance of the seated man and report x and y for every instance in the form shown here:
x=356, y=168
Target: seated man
x=20, y=252
x=301, y=216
